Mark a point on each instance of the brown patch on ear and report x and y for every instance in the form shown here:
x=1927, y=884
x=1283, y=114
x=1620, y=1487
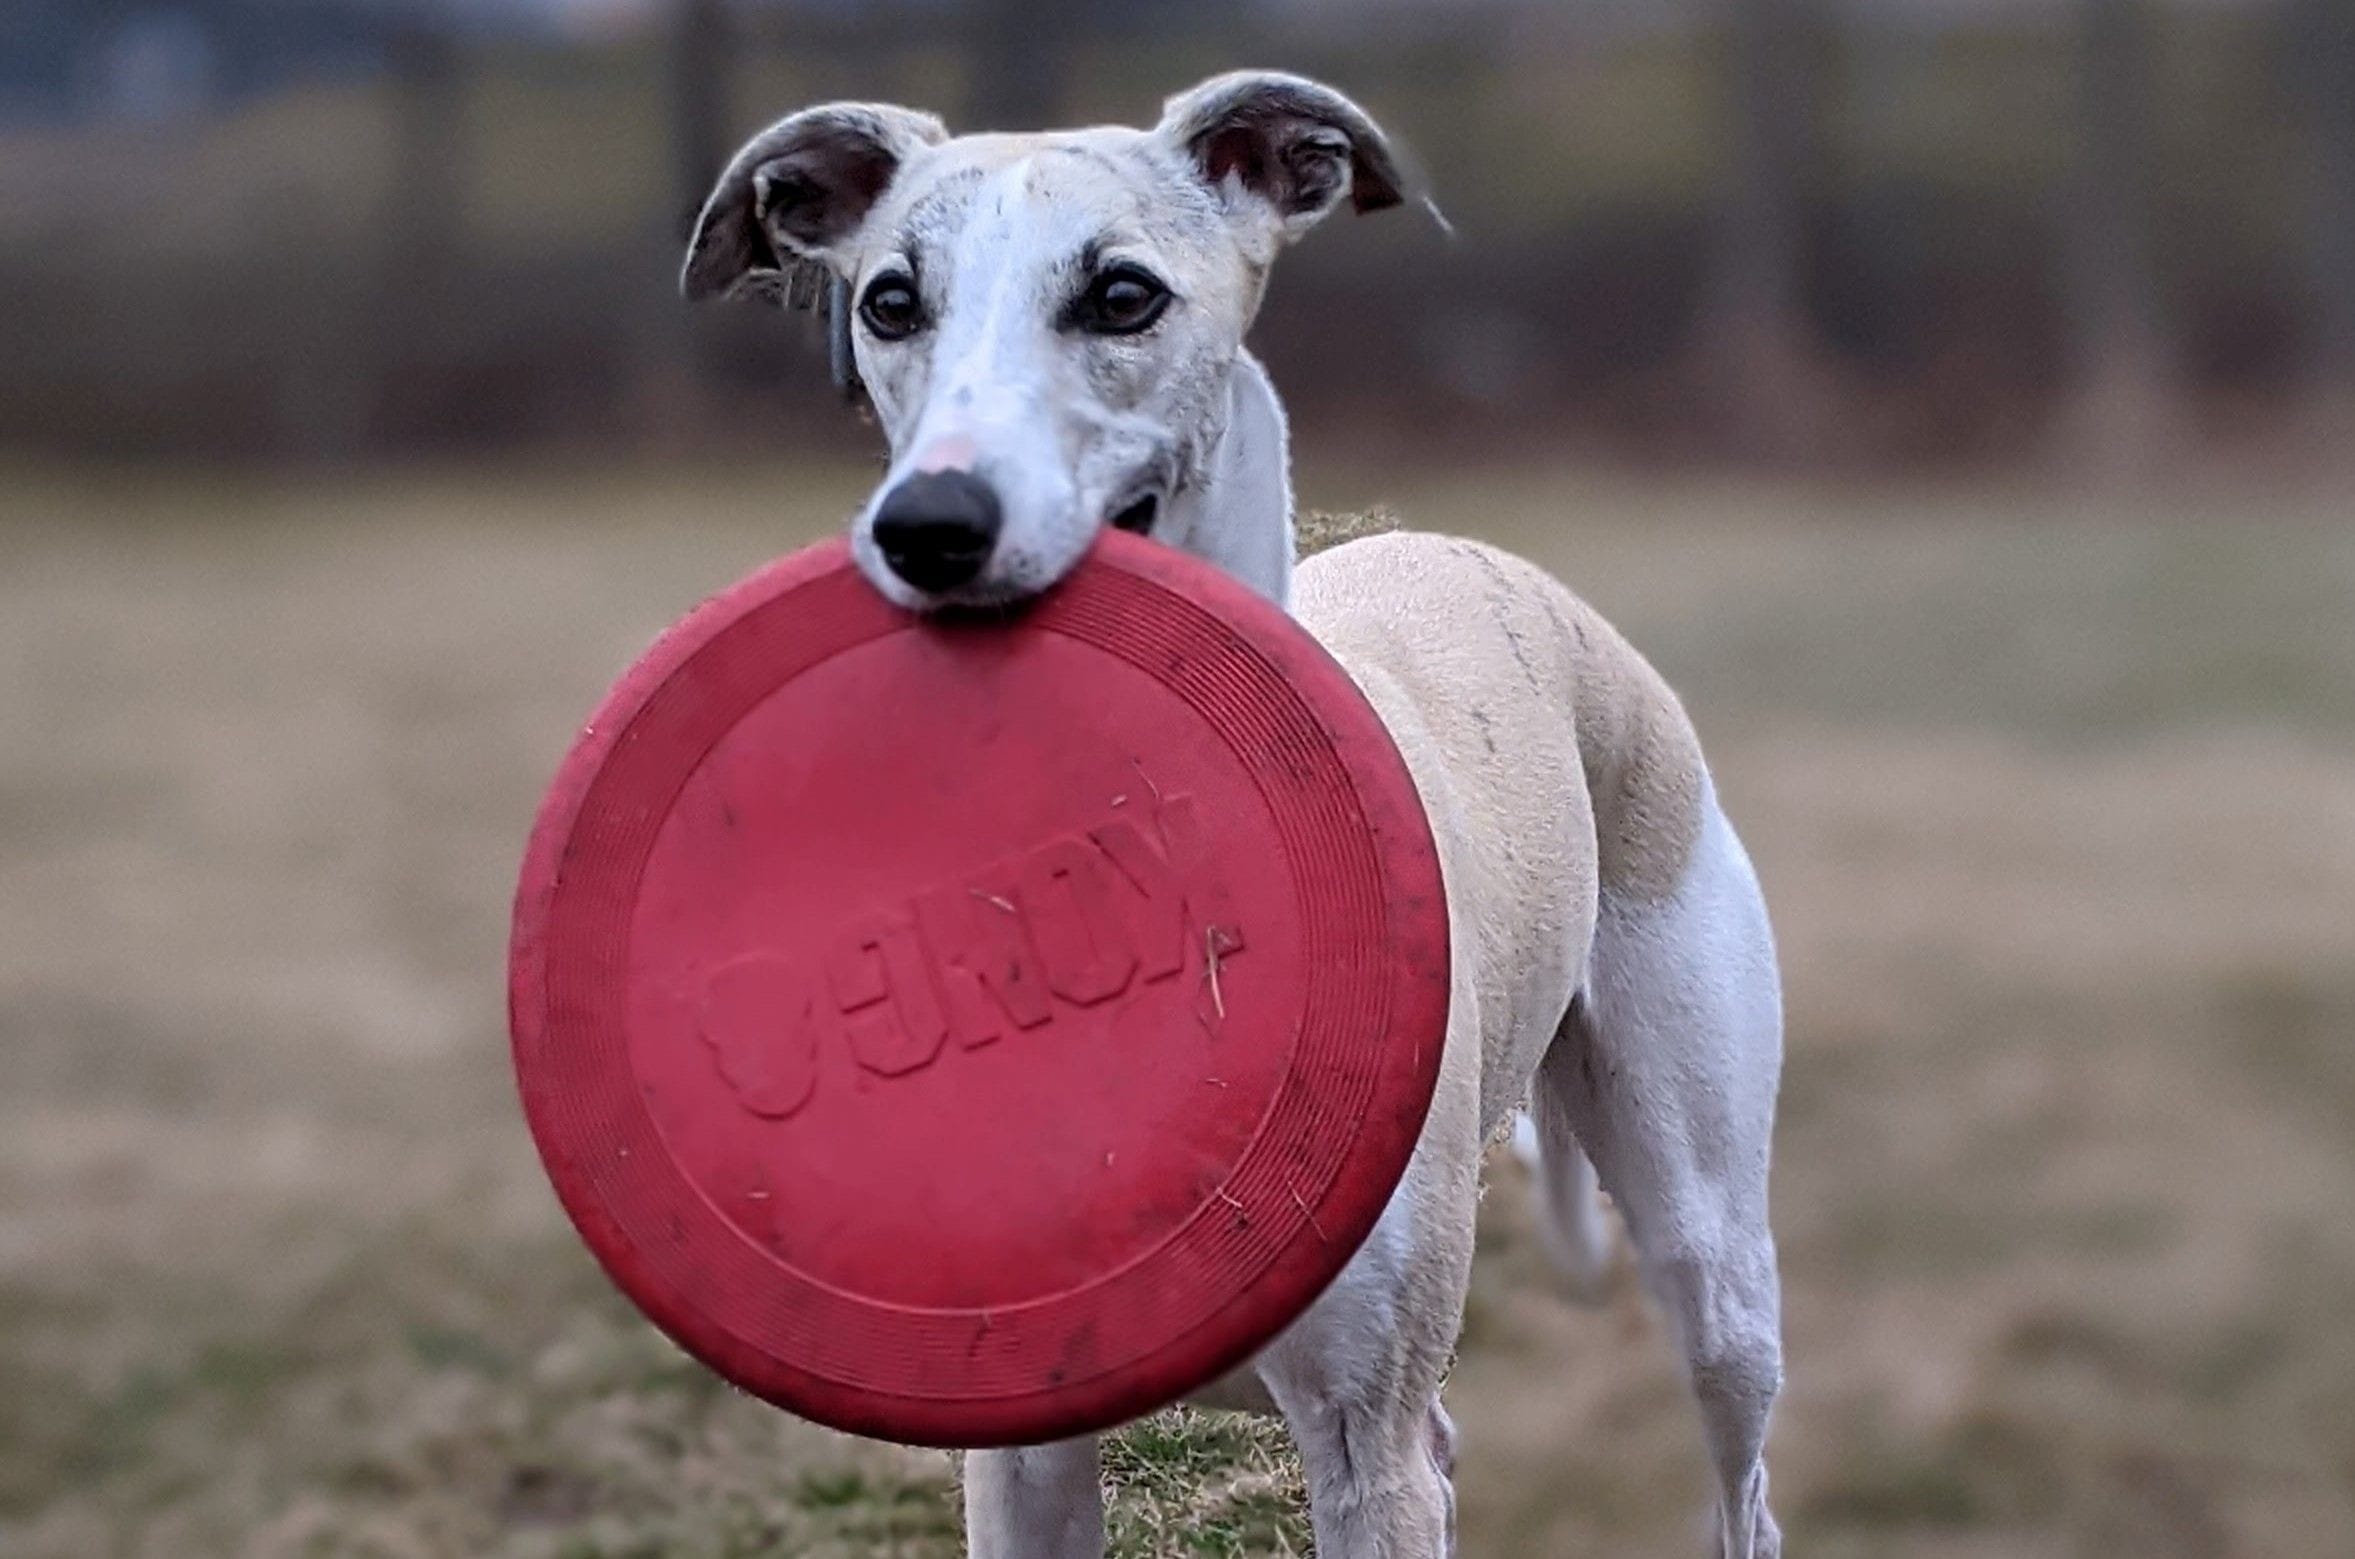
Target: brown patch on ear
x=1366, y=193
x=796, y=191
x=1293, y=142
x=815, y=194
x=1374, y=177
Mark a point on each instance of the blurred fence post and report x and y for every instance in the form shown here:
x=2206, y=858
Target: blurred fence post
x=1021, y=60
x=678, y=352
x=699, y=102
x=2322, y=63
x=423, y=209
x=421, y=216
x=1763, y=363
x=2123, y=356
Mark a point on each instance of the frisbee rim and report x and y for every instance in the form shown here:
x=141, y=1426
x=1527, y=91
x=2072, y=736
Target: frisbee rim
x=1413, y=910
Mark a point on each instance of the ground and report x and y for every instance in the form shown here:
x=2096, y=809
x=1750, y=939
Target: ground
x=2055, y=804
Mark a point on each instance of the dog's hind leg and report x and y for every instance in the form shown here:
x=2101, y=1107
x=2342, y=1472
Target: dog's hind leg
x=1035, y=1502
x=1572, y=1227
x=1666, y=1068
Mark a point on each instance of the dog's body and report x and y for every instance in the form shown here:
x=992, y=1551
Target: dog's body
x=1613, y=964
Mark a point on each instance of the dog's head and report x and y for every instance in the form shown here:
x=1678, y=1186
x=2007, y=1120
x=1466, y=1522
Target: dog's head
x=1045, y=324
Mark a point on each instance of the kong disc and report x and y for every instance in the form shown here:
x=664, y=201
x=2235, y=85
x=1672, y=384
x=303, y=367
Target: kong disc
x=974, y=1033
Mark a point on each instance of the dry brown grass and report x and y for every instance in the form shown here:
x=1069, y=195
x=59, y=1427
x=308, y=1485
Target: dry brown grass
x=2056, y=806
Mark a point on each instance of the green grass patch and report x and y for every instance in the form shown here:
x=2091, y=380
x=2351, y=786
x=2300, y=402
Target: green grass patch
x=1217, y=1485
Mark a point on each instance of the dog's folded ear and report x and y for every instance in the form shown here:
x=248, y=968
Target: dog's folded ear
x=794, y=193
x=1292, y=144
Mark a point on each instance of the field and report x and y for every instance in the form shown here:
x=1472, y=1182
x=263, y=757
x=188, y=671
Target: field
x=2054, y=799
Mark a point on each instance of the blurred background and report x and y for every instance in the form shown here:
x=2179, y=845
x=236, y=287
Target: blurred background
x=1927, y=234
x=1955, y=398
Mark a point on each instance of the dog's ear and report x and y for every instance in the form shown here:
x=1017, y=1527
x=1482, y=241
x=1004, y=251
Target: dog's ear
x=1293, y=145
x=795, y=192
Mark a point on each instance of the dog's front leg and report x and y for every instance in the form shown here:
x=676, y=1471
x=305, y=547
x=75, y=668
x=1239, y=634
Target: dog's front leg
x=1358, y=1377
x=1035, y=1502
x=1379, y=1476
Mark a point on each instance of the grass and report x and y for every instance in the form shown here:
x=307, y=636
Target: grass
x=2054, y=800
x=1215, y=1485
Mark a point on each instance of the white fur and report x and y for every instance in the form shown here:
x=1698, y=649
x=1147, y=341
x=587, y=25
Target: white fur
x=1643, y=1015
x=1035, y=1502
x=1612, y=960
x=1669, y=1075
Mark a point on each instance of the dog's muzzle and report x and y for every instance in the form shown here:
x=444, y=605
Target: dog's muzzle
x=936, y=529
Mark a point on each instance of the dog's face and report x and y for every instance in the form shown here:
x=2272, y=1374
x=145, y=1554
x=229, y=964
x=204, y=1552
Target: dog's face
x=1045, y=323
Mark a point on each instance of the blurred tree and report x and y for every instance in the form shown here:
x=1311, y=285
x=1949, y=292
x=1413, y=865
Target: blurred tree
x=1763, y=363
x=2124, y=356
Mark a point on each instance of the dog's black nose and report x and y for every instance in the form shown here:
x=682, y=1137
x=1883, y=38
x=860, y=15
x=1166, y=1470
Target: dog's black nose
x=936, y=528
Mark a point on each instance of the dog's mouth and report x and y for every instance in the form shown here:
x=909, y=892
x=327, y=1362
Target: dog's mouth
x=1138, y=514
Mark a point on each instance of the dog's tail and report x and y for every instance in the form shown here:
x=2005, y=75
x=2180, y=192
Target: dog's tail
x=1572, y=1224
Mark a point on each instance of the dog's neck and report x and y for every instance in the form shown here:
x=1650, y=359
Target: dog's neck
x=1238, y=513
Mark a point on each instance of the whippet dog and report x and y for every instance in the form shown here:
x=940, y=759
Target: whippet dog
x=1050, y=328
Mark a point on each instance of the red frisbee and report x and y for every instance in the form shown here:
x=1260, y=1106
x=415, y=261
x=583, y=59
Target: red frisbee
x=977, y=1034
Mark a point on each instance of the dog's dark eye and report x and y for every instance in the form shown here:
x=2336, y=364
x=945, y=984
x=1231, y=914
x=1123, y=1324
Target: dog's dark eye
x=1120, y=302
x=891, y=308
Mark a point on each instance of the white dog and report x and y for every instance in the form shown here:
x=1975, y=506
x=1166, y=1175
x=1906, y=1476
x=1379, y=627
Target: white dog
x=1051, y=330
